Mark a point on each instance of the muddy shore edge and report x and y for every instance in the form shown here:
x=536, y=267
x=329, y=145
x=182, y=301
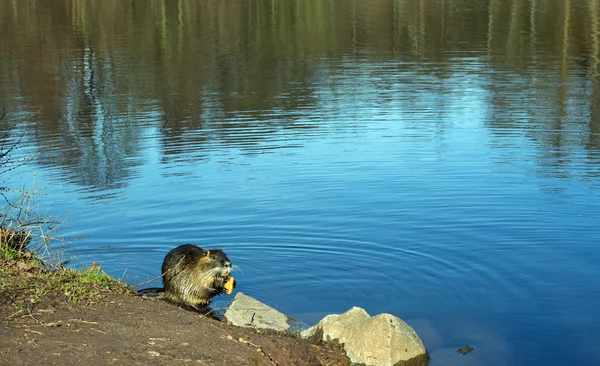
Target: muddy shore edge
x=68, y=316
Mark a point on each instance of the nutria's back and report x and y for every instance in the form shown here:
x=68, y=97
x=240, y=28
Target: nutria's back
x=192, y=275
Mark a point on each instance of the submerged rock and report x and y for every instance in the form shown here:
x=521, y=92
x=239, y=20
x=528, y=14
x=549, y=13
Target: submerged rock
x=380, y=340
x=465, y=349
x=245, y=311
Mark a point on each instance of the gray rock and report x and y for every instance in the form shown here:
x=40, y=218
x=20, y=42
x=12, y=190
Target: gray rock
x=245, y=311
x=380, y=340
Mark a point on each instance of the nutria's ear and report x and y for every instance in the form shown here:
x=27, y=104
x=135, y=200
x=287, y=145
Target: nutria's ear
x=204, y=259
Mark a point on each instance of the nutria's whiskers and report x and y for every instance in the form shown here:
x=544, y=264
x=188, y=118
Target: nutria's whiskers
x=235, y=267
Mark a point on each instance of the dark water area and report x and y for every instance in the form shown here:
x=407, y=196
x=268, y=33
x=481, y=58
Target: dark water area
x=437, y=160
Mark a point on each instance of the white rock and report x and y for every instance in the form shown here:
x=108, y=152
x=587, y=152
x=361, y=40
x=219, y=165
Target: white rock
x=245, y=311
x=380, y=340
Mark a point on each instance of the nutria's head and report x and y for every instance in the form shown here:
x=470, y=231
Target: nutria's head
x=213, y=265
x=216, y=262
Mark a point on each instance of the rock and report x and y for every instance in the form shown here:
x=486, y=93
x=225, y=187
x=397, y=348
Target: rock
x=465, y=349
x=245, y=311
x=380, y=340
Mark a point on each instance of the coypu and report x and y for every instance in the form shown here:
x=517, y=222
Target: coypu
x=192, y=276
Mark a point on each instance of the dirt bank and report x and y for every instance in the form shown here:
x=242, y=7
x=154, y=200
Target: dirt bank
x=58, y=318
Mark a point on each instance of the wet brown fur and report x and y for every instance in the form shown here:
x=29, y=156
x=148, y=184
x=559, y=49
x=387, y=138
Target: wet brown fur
x=192, y=276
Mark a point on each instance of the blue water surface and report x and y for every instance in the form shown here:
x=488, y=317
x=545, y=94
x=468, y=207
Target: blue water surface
x=455, y=193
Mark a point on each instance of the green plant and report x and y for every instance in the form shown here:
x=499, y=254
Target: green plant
x=8, y=254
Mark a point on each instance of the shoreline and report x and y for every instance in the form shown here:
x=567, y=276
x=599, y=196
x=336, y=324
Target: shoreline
x=76, y=316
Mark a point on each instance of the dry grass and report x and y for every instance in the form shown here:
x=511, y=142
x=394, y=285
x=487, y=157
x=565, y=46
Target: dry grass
x=24, y=229
x=24, y=226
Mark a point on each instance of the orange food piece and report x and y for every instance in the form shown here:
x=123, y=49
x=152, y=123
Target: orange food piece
x=228, y=286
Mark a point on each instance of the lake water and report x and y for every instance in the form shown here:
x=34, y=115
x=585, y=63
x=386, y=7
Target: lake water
x=434, y=159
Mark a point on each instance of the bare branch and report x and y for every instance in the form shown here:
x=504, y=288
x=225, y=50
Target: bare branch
x=22, y=226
